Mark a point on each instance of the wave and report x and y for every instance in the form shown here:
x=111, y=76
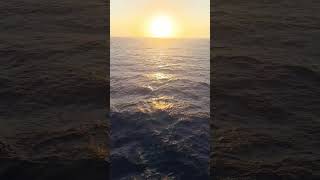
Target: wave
x=151, y=145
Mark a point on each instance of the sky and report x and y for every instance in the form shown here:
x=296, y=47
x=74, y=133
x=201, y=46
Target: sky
x=133, y=18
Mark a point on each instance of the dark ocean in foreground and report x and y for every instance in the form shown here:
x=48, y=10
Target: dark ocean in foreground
x=160, y=106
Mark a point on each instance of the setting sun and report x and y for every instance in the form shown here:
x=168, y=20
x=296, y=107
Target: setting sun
x=164, y=19
x=161, y=27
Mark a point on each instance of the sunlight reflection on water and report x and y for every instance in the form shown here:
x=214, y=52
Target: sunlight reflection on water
x=160, y=100
x=151, y=69
x=160, y=76
x=162, y=103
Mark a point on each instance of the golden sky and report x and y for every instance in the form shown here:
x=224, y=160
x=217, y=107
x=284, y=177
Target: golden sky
x=160, y=18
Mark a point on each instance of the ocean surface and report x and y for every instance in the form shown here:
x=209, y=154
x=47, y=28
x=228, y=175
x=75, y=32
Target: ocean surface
x=53, y=90
x=160, y=106
x=266, y=92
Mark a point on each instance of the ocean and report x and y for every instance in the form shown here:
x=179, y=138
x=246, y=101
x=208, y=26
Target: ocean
x=160, y=108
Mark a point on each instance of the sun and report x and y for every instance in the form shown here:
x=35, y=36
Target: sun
x=161, y=27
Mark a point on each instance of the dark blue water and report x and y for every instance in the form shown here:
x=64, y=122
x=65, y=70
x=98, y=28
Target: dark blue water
x=160, y=108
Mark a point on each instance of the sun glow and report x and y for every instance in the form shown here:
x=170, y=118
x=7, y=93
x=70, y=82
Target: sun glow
x=171, y=19
x=161, y=27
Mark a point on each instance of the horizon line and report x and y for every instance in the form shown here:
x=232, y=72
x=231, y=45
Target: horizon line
x=149, y=37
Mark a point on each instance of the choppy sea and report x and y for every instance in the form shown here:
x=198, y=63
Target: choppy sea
x=160, y=108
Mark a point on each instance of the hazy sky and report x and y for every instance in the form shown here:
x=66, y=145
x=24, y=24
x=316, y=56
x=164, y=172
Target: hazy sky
x=190, y=18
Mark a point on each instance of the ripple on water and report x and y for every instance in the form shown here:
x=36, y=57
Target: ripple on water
x=160, y=96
